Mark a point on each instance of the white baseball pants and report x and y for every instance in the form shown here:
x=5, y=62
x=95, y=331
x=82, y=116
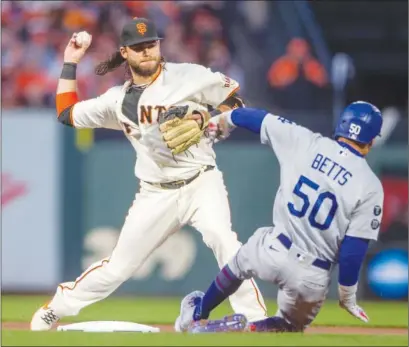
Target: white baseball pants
x=156, y=214
x=303, y=287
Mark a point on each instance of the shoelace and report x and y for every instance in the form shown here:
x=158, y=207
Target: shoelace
x=49, y=317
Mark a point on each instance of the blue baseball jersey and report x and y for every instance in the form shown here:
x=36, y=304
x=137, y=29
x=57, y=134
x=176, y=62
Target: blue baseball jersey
x=327, y=189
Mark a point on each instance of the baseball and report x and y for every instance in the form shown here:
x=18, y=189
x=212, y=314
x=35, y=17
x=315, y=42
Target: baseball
x=83, y=39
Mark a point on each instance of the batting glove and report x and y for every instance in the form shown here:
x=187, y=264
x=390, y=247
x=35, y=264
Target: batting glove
x=355, y=311
x=347, y=301
x=220, y=126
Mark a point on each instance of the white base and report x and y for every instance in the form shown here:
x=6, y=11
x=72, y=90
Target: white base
x=108, y=327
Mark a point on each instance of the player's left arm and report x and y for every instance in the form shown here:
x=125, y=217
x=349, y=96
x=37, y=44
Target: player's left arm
x=219, y=91
x=233, y=101
x=363, y=228
x=209, y=88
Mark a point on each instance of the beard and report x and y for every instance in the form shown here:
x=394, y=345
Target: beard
x=145, y=71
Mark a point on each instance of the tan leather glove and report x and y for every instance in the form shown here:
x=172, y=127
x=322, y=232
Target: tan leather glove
x=180, y=129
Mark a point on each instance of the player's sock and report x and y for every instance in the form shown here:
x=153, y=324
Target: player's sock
x=224, y=285
x=273, y=324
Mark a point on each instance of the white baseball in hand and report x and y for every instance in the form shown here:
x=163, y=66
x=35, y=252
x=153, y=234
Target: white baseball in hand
x=83, y=39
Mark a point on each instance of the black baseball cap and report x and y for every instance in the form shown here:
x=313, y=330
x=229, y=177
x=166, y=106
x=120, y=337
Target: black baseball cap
x=138, y=30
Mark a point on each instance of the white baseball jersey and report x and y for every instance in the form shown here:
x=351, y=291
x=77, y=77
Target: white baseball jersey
x=176, y=84
x=326, y=190
x=156, y=213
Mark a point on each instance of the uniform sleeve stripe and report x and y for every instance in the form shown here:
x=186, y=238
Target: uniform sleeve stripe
x=65, y=100
x=233, y=92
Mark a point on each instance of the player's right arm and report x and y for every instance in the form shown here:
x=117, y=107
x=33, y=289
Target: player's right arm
x=93, y=113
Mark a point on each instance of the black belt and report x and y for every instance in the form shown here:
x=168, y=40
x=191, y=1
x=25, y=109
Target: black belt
x=181, y=183
x=322, y=264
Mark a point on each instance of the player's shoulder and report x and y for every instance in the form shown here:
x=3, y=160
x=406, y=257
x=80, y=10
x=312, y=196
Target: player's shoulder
x=187, y=69
x=371, y=187
x=184, y=67
x=326, y=142
x=116, y=90
x=373, y=183
x=112, y=95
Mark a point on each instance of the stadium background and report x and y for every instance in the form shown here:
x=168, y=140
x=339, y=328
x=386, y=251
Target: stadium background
x=65, y=193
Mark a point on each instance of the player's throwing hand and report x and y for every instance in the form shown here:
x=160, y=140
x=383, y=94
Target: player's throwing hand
x=77, y=47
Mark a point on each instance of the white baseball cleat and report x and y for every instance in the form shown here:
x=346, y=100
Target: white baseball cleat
x=43, y=319
x=187, y=308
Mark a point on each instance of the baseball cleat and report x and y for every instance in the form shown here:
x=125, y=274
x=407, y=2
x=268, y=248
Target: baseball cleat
x=272, y=324
x=187, y=308
x=43, y=319
x=232, y=323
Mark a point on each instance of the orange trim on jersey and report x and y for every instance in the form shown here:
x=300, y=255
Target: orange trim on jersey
x=223, y=108
x=156, y=74
x=83, y=276
x=234, y=91
x=65, y=100
x=258, y=297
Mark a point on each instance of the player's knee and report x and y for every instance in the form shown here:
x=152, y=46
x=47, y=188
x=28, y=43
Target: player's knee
x=222, y=238
x=311, y=297
x=223, y=244
x=240, y=270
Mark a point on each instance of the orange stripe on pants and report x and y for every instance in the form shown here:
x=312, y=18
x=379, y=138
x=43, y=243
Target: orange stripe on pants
x=83, y=276
x=258, y=297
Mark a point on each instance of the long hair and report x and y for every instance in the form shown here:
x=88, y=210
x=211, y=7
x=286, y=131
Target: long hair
x=115, y=61
x=111, y=64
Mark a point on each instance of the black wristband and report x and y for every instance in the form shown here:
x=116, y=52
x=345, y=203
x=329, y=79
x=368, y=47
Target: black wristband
x=69, y=71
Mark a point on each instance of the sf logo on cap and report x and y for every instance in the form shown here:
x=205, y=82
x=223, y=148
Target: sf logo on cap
x=141, y=28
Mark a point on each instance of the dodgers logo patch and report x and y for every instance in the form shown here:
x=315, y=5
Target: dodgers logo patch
x=377, y=210
x=375, y=224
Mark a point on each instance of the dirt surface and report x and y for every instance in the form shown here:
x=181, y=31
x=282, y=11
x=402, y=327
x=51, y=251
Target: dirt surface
x=312, y=330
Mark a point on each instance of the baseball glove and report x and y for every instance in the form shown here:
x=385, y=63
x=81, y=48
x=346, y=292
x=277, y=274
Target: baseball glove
x=180, y=128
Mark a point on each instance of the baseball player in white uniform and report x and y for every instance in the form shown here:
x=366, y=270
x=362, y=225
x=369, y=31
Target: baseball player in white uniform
x=177, y=188
x=327, y=209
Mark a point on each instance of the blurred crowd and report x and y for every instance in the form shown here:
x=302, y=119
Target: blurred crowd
x=35, y=34
x=248, y=41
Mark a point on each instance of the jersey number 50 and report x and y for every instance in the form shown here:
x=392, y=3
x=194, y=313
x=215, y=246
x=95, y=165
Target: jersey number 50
x=315, y=208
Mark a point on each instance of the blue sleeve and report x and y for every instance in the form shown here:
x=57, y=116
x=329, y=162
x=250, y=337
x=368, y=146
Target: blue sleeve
x=249, y=118
x=351, y=256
